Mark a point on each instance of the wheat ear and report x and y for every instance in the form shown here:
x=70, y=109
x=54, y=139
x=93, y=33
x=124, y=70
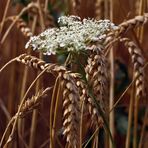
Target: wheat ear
x=33, y=102
x=71, y=109
x=39, y=64
x=138, y=63
x=97, y=77
x=125, y=26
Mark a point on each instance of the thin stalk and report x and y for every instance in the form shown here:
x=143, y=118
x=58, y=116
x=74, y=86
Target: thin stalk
x=135, y=142
x=47, y=141
x=46, y=6
x=5, y=132
x=35, y=112
x=24, y=82
x=106, y=6
x=15, y=20
x=34, y=117
x=25, y=75
x=51, y=110
x=111, y=97
x=21, y=104
x=95, y=141
x=55, y=111
x=4, y=109
x=140, y=35
x=112, y=79
x=118, y=100
x=143, y=128
x=7, y=64
x=81, y=124
x=33, y=128
x=91, y=137
x=4, y=16
x=41, y=16
x=126, y=90
x=140, y=31
x=11, y=85
x=130, y=116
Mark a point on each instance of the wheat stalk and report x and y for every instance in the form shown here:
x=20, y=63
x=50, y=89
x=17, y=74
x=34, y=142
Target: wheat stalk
x=99, y=9
x=4, y=16
x=74, y=6
x=26, y=107
x=9, y=140
x=29, y=6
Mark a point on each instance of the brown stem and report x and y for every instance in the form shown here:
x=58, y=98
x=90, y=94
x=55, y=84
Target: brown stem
x=34, y=117
x=15, y=20
x=4, y=16
x=21, y=104
x=143, y=128
x=51, y=111
x=135, y=123
x=130, y=116
x=111, y=97
x=24, y=82
x=81, y=123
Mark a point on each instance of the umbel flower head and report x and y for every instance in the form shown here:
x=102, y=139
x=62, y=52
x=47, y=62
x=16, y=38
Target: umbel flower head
x=73, y=35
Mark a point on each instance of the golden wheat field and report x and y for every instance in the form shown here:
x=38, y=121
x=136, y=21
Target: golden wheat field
x=73, y=73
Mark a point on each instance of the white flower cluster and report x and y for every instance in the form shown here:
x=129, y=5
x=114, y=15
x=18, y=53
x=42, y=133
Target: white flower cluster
x=73, y=35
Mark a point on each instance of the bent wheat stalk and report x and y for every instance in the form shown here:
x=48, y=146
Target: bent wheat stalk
x=34, y=101
x=30, y=5
x=7, y=64
x=27, y=106
x=19, y=109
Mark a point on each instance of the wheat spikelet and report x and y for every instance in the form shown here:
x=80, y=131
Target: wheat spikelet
x=71, y=109
x=80, y=84
x=125, y=26
x=138, y=63
x=34, y=101
x=39, y=64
